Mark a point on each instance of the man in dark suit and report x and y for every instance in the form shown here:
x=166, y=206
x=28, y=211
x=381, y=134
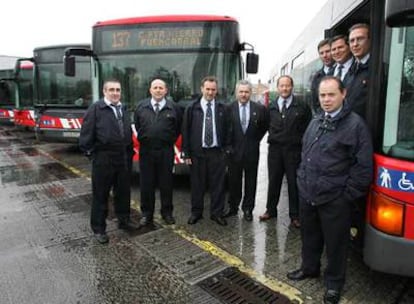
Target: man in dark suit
x=249, y=123
x=106, y=139
x=360, y=45
x=342, y=55
x=158, y=124
x=289, y=118
x=324, y=51
x=206, y=135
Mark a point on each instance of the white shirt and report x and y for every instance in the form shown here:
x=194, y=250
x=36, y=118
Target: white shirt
x=109, y=104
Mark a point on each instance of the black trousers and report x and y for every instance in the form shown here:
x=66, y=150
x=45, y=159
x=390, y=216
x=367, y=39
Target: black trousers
x=236, y=170
x=110, y=170
x=328, y=225
x=208, y=169
x=281, y=161
x=156, y=167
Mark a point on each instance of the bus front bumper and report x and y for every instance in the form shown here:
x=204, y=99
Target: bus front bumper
x=387, y=253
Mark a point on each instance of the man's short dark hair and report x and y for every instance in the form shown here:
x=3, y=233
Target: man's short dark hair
x=341, y=86
x=285, y=76
x=323, y=42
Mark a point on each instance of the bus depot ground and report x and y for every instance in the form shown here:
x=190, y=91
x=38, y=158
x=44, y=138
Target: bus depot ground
x=48, y=254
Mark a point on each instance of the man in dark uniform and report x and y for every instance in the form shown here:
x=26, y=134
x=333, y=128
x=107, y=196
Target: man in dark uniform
x=106, y=138
x=158, y=124
x=206, y=140
x=360, y=44
x=336, y=169
x=289, y=118
x=324, y=51
x=249, y=123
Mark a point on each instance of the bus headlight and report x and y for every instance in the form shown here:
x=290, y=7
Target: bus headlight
x=387, y=214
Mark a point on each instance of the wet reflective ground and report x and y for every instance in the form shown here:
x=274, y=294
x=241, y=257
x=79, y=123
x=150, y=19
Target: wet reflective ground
x=48, y=255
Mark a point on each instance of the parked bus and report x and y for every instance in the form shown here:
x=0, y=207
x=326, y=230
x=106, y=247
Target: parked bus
x=7, y=89
x=23, y=111
x=59, y=101
x=388, y=224
x=181, y=49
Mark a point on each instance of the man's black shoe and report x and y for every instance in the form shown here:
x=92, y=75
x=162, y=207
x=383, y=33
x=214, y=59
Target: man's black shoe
x=168, y=219
x=127, y=226
x=219, y=220
x=102, y=238
x=230, y=212
x=145, y=221
x=331, y=296
x=248, y=216
x=299, y=275
x=194, y=219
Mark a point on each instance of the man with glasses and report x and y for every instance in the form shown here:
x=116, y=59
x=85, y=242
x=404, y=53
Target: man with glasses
x=106, y=139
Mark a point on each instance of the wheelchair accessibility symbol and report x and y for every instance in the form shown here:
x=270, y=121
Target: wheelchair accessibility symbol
x=395, y=180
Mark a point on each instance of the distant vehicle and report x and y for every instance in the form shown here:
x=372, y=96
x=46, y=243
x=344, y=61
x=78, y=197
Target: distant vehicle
x=387, y=221
x=23, y=111
x=7, y=97
x=180, y=49
x=59, y=101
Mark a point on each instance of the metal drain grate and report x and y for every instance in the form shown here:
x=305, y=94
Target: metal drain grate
x=233, y=287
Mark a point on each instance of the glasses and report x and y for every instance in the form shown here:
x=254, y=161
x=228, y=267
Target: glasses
x=357, y=39
x=114, y=90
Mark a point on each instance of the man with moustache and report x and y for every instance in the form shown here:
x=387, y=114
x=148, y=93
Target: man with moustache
x=249, y=123
x=336, y=169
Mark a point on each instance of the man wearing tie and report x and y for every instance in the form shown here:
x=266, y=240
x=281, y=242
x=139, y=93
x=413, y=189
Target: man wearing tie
x=360, y=44
x=106, y=139
x=324, y=51
x=341, y=53
x=249, y=123
x=289, y=118
x=336, y=169
x=158, y=124
x=206, y=140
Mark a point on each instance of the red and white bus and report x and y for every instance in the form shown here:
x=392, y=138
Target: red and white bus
x=59, y=101
x=181, y=49
x=23, y=111
x=387, y=225
x=7, y=89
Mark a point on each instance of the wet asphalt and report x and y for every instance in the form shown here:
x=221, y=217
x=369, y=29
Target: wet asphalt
x=48, y=254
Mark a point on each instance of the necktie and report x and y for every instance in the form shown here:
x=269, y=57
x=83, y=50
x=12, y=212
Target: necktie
x=208, y=128
x=284, y=108
x=244, y=118
x=157, y=109
x=339, y=73
x=330, y=71
x=119, y=119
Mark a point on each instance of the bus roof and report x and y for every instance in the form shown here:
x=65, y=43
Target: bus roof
x=62, y=46
x=164, y=19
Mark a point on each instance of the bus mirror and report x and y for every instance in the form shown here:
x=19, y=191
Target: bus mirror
x=70, y=66
x=252, y=63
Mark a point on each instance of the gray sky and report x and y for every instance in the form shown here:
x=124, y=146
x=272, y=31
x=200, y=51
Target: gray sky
x=28, y=24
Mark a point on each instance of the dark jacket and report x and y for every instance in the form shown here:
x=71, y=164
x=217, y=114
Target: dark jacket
x=100, y=130
x=288, y=132
x=161, y=130
x=316, y=79
x=336, y=159
x=247, y=144
x=193, y=127
x=357, y=87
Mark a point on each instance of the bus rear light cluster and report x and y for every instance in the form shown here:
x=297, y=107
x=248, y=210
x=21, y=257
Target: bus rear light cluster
x=387, y=214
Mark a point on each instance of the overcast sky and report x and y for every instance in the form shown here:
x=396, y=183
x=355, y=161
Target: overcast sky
x=28, y=24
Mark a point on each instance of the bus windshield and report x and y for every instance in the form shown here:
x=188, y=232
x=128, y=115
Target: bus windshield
x=399, y=134
x=26, y=88
x=57, y=89
x=182, y=71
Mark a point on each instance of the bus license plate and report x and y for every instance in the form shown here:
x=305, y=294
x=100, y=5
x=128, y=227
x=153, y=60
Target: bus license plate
x=71, y=134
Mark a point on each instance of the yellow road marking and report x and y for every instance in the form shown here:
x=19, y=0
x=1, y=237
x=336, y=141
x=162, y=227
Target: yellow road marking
x=289, y=291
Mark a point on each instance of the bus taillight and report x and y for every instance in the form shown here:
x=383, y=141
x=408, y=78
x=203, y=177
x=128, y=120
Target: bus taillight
x=386, y=214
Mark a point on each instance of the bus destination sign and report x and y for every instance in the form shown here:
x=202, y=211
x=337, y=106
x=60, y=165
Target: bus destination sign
x=152, y=38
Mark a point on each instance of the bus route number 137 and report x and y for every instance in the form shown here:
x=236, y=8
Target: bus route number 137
x=121, y=39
